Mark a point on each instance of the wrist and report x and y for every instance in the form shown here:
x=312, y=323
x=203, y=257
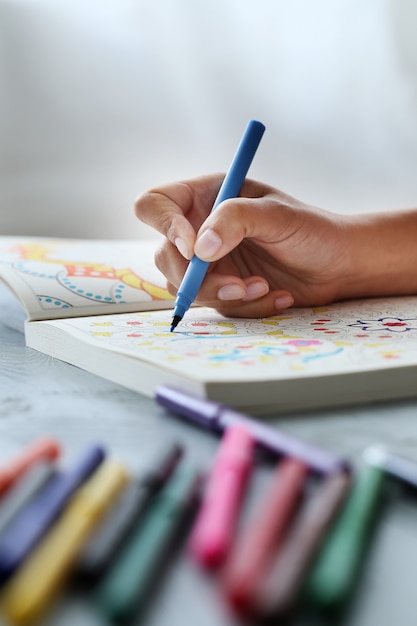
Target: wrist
x=381, y=255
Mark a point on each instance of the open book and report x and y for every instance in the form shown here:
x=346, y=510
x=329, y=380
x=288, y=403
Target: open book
x=102, y=306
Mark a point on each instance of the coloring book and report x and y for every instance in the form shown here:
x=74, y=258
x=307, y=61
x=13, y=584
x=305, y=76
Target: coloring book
x=102, y=306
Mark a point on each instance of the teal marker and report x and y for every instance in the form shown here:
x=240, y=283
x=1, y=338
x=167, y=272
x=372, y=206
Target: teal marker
x=230, y=188
x=126, y=589
x=332, y=578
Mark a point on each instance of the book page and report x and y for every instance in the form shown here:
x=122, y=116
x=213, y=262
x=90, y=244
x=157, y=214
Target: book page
x=59, y=278
x=341, y=338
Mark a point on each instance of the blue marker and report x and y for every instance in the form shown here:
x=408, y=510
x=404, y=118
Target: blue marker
x=35, y=519
x=230, y=188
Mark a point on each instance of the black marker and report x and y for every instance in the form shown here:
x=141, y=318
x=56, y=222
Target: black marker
x=136, y=574
x=118, y=524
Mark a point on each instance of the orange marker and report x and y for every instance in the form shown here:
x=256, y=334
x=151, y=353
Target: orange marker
x=44, y=449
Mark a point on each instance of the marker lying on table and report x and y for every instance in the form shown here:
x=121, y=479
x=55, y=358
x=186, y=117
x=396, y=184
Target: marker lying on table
x=214, y=528
x=230, y=188
x=35, y=519
x=115, y=529
x=126, y=588
x=37, y=582
x=279, y=591
x=28, y=486
x=333, y=576
x=218, y=418
x=46, y=449
x=261, y=541
x=404, y=470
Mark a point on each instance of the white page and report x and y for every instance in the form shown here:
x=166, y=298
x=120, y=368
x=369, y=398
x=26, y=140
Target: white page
x=347, y=337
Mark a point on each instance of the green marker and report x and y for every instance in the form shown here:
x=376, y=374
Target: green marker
x=333, y=575
x=130, y=581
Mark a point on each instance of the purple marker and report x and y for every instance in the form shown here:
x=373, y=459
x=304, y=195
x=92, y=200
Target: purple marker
x=41, y=512
x=217, y=418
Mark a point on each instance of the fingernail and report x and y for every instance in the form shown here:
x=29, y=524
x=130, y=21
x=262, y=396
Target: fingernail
x=231, y=292
x=283, y=302
x=256, y=290
x=207, y=244
x=182, y=247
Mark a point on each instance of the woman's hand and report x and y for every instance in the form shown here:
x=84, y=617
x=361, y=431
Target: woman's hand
x=267, y=250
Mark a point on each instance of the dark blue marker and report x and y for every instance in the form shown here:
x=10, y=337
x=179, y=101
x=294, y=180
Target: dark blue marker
x=35, y=519
x=230, y=188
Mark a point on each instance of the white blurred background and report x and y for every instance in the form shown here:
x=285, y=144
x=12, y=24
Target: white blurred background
x=103, y=99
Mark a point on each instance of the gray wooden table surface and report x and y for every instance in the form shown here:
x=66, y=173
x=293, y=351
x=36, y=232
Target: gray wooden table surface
x=39, y=395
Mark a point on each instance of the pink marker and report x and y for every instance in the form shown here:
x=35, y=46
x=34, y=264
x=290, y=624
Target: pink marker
x=214, y=529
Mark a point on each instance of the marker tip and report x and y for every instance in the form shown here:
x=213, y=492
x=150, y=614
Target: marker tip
x=175, y=321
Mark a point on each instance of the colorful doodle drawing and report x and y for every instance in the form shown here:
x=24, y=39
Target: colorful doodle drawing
x=224, y=345
x=389, y=324
x=210, y=344
x=63, y=277
x=283, y=362
x=71, y=274
x=36, y=259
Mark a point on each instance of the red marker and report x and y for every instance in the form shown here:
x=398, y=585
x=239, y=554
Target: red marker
x=45, y=449
x=280, y=590
x=260, y=543
x=215, y=526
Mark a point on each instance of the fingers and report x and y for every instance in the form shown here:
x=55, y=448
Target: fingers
x=232, y=285
x=225, y=286
x=271, y=304
x=164, y=210
x=228, y=293
x=240, y=218
x=178, y=209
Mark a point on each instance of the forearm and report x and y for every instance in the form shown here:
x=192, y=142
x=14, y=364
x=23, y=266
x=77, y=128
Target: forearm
x=381, y=255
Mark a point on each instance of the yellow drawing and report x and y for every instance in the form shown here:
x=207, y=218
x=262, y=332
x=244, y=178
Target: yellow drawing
x=76, y=269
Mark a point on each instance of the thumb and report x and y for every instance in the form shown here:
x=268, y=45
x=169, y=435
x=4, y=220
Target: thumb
x=235, y=220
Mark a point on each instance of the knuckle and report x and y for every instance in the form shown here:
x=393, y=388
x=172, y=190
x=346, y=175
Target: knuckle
x=144, y=205
x=231, y=218
x=161, y=256
x=150, y=209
